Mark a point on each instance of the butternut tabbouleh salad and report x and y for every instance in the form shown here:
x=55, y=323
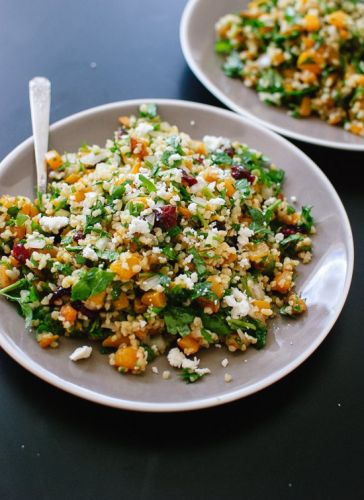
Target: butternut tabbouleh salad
x=156, y=243
x=307, y=55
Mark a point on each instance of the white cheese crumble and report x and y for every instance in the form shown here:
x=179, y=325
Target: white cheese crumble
x=83, y=352
x=244, y=235
x=224, y=362
x=212, y=142
x=155, y=370
x=279, y=237
x=177, y=359
x=227, y=377
x=53, y=224
x=89, y=253
x=35, y=240
x=173, y=158
x=166, y=374
x=92, y=158
x=143, y=129
x=239, y=303
x=140, y=226
x=186, y=281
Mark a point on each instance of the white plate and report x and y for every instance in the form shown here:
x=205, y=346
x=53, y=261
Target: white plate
x=197, y=35
x=325, y=282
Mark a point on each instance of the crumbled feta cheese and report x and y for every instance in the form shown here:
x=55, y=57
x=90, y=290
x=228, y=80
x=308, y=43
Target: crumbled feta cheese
x=143, y=129
x=83, y=352
x=279, y=237
x=35, y=240
x=166, y=374
x=192, y=207
x=239, y=303
x=212, y=142
x=186, y=281
x=92, y=158
x=216, y=202
x=227, y=377
x=225, y=362
x=103, y=171
x=173, y=158
x=138, y=225
x=176, y=357
x=89, y=253
x=53, y=224
x=155, y=370
x=264, y=61
x=293, y=199
x=244, y=235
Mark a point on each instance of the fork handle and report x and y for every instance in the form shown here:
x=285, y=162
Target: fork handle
x=40, y=101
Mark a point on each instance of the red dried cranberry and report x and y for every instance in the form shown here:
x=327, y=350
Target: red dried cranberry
x=58, y=294
x=20, y=252
x=187, y=179
x=80, y=307
x=199, y=159
x=239, y=172
x=78, y=236
x=230, y=151
x=289, y=230
x=166, y=217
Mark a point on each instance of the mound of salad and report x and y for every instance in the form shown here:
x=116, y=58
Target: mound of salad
x=307, y=56
x=155, y=243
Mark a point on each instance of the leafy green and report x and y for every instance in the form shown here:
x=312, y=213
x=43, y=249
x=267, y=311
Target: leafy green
x=149, y=186
x=253, y=327
x=198, y=262
x=13, y=211
x=148, y=110
x=177, y=320
x=24, y=300
x=21, y=219
x=190, y=376
x=151, y=355
x=307, y=219
x=221, y=158
x=134, y=209
x=216, y=323
x=243, y=185
x=119, y=191
x=233, y=65
x=185, y=195
x=203, y=289
x=291, y=240
x=223, y=47
x=170, y=253
x=90, y=283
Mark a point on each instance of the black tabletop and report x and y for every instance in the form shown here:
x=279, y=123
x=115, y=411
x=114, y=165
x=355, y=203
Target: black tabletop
x=301, y=438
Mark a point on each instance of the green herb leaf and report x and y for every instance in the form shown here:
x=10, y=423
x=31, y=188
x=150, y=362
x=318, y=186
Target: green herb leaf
x=91, y=283
x=190, y=376
x=216, y=323
x=307, y=221
x=149, y=186
x=198, y=262
x=177, y=320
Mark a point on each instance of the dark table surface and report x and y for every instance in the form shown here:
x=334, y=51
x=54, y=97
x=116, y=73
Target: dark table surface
x=300, y=438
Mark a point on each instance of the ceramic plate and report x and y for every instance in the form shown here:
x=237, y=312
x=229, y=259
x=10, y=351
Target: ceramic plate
x=197, y=34
x=324, y=282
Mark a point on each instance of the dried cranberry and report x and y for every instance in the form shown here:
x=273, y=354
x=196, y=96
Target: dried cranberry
x=58, y=294
x=166, y=217
x=289, y=230
x=199, y=159
x=230, y=151
x=79, y=236
x=80, y=307
x=20, y=252
x=220, y=225
x=187, y=179
x=239, y=172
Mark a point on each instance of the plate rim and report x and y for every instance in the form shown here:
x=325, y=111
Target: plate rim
x=230, y=103
x=38, y=370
